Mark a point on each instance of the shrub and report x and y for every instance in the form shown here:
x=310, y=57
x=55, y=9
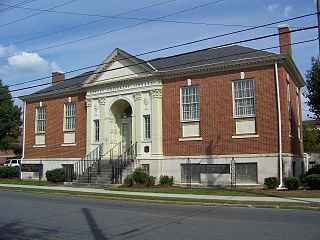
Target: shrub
x=139, y=176
x=292, y=183
x=314, y=170
x=128, y=181
x=166, y=180
x=313, y=181
x=9, y=172
x=271, y=182
x=150, y=181
x=55, y=175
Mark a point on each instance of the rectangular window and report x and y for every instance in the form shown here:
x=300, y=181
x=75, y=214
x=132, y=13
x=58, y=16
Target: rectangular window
x=40, y=119
x=147, y=127
x=289, y=108
x=96, y=130
x=243, y=94
x=190, y=103
x=298, y=113
x=69, y=116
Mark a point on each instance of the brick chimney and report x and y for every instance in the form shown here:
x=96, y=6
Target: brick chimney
x=57, y=77
x=285, y=39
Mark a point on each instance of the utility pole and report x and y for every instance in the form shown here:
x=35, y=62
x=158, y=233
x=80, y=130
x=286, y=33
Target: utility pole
x=318, y=15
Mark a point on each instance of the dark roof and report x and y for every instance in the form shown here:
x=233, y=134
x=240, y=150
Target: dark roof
x=68, y=84
x=207, y=56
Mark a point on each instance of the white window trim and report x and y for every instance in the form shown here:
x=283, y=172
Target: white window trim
x=298, y=113
x=181, y=108
x=68, y=144
x=144, y=127
x=64, y=117
x=233, y=99
x=246, y=136
x=95, y=130
x=37, y=119
x=190, y=139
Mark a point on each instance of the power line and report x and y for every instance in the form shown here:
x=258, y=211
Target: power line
x=88, y=23
x=15, y=5
x=118, y=29
x=24, y=18
x=162, y=49
x=254, y=50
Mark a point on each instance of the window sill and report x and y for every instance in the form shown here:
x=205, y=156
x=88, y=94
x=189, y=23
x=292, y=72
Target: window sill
x=245, y=136
x=68, y=144
x=147, y=140
x=67, y=130
x=239, y=117
x=190, y=139
x=190, y=121
x=39, y=146
x=40, y=133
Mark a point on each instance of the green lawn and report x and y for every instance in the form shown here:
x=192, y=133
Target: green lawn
x=29, y=182
x=252, y=192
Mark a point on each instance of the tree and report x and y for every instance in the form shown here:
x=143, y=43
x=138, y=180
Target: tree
x=310, y=137
x=313, y=85
x=10, y=120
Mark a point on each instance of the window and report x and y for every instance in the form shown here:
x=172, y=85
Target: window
x=243, y=94
x=147, y=127
x=190, y=103
x=96, y=130
x=298, y=113
x=40, y=119
x=70, y=116
x=289, y=108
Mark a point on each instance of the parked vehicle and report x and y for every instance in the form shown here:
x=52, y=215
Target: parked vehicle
x=12, y=163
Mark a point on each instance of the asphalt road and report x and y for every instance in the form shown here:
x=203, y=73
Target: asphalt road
x=36, y=216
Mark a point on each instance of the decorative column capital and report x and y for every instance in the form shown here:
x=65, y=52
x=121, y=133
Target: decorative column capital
x=156, y=93
x=88, y=102
x=102, y=101
x=137, y=96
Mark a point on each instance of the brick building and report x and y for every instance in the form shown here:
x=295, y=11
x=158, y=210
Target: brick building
x=200, y=109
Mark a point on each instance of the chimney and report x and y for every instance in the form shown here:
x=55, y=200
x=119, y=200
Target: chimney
x=57, y=77
x=285, y=39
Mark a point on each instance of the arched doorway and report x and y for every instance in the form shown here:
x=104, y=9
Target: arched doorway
x=121, y=125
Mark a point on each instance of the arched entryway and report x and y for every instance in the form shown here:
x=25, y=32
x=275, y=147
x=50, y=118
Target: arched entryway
x=121, y=124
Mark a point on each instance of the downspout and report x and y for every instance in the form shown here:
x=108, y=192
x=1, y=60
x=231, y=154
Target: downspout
x=24, y=133
x=279, y=125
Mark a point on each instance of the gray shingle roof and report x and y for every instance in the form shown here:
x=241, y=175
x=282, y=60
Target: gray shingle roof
x=68, y=84
x=207, y=56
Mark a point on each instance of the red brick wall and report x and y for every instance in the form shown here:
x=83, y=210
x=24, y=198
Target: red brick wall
x=54, y=136
x=217, y=125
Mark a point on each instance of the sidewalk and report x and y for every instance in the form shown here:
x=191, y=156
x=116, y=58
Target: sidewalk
x=165, y=195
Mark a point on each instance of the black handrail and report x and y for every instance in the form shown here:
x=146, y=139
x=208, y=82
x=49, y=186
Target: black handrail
x=122, y=162
x=84, y=166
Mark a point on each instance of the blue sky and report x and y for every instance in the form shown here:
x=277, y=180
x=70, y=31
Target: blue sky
x=22, y=59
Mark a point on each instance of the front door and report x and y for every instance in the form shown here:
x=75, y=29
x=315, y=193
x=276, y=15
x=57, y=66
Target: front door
x=125, y=134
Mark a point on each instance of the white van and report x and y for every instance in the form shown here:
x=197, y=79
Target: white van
x=12, y=163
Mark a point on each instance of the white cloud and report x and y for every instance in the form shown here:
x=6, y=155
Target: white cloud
x=273, y=7
x=28, y=62
x=287, y=10
x=55, y=67
x=7, y=51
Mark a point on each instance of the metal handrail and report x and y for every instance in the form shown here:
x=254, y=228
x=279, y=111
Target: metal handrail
x=122, y=162
x=84, y=165
x=110, y=152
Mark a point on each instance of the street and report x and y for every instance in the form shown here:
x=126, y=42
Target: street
x=39, y=216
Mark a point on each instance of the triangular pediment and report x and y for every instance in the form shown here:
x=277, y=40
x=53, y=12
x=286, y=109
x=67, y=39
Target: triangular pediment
x=119, y=65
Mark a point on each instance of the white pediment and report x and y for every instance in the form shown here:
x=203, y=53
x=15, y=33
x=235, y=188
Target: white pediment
x=118, y=66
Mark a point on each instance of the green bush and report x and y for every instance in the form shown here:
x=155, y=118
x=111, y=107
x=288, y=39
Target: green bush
x=313, y=181
x=271, y=182
x=150, y=181
x=166, y=180
x=9, y=172
x=55, y=175
x=139, y=176
x=314, y=170
x=292, y=183
x=128, y=181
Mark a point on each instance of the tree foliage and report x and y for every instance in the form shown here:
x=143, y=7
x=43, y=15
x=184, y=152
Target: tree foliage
x=313, y=85
x=10, y=120
x=311, y=137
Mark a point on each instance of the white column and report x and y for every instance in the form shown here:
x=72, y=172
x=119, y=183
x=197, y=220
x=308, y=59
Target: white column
x=138, y=119
x=88, y=145
x=102, y=124
x=156, y=122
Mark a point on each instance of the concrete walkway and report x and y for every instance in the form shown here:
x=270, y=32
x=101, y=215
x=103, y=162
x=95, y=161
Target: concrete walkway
x=167, y=195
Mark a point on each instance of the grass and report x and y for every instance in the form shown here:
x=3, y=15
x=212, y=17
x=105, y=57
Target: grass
x=250, y=192
x=29, y=182
x=171, y=200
